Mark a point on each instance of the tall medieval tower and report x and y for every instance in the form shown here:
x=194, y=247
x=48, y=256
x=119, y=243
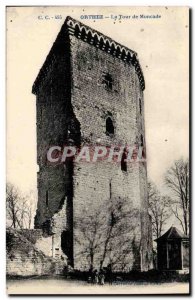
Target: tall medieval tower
x=89, y=91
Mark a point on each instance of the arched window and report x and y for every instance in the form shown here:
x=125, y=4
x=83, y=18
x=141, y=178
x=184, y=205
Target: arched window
x=109, y=126
x=123, y=162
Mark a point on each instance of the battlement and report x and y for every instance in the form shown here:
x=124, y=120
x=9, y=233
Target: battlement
x=95, y=39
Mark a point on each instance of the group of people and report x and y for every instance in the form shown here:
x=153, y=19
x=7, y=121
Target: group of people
x=100, y=277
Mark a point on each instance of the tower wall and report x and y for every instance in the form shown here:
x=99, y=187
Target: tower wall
x=51, y=130
x=73, y=103
x=92, y=103
x=54, y=115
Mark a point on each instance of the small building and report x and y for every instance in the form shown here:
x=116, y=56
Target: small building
x=173, y=250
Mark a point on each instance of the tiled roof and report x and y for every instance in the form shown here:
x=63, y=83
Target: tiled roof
x=172, y=233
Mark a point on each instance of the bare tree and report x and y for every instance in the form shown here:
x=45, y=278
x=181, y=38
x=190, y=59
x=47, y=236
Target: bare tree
x=20, y=208
x=90, y=228
x=30, y=209
x=159, y=209
x=30, y=212
x=13, y=206
x=107, y=232
x=177, y=179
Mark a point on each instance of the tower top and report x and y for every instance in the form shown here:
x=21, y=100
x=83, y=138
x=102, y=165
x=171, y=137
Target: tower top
x=94, y=38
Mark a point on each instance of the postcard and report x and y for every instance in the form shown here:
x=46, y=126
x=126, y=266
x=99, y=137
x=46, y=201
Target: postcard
x=97, y=197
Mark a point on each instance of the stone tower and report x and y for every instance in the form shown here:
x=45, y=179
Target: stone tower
x=90, y=91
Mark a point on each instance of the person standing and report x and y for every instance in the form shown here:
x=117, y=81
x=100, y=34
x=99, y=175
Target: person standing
x=101, y=277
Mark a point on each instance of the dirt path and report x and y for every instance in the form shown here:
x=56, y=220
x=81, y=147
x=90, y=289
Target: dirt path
x=61, y=286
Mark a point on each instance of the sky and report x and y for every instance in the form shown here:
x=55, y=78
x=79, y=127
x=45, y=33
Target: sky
x=162, y=47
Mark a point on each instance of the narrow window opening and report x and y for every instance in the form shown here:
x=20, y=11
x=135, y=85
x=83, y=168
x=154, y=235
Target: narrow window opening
x=47, y=199
x=109, y=126
x=142, y=140
x=113, y=219
x=123, y=162
x=140, y=106
x=110, y=186
x=107, y=81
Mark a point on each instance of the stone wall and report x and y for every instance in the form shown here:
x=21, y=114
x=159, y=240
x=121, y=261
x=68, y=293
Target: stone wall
x=54, y=119
x=73, y=101
x=23, y=258
x=92, y=102
x=51, y=131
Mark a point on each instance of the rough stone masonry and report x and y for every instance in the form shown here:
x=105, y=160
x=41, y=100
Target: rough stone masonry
x=90, y=91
